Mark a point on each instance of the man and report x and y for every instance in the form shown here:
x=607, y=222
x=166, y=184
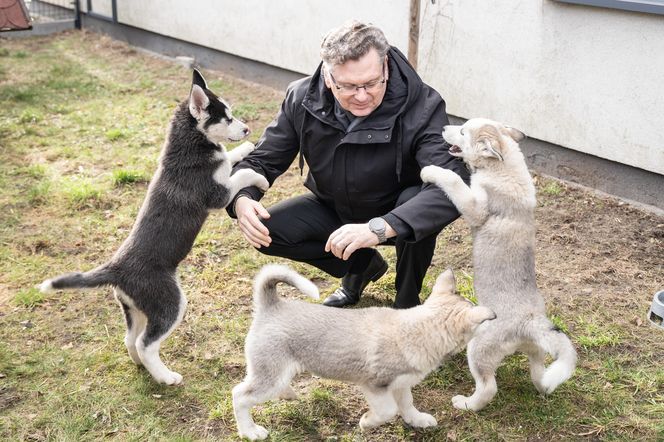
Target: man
x=365, y=124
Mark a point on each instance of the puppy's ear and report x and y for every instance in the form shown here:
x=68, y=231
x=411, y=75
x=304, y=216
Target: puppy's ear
x=198, y=79
x=515, y=134
x=445, y=283
x=489, y=148
x=198, y=102
x=479, y=314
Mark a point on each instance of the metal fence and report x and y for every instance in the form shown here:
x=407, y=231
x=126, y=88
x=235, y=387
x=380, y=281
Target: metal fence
x=51, y=10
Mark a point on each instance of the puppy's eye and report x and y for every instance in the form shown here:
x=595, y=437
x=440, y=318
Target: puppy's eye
x=461, y=131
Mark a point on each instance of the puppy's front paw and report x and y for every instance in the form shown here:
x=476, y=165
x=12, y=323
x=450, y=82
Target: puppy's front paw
x=261, y=183
x=422, y=420
x=254, y=433
x=369, y=420
x=463, y=403
x=245, y=148
x=430, y=174
x=169, y=378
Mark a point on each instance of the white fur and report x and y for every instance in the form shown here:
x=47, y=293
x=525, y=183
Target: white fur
x=498, y=206
x=384, y=351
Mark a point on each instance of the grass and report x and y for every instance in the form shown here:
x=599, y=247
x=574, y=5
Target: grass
x=81, y=126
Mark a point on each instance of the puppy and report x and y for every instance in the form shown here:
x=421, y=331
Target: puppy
x=499, y=207
x=384, y=351
x=193, y=177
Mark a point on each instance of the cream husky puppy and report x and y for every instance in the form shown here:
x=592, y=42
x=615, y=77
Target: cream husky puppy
x=499, y=207
x=384, y=351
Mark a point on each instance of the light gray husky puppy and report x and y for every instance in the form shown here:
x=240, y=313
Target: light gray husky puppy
x=499, y=208
x=384, y=351
x=193, y=177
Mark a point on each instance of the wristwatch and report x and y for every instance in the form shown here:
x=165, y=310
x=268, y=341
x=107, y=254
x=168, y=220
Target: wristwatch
x=377, y=226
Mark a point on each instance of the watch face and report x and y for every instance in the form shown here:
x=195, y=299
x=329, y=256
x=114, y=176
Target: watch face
x=377, y=224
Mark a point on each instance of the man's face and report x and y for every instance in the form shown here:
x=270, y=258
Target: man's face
x=368, y=70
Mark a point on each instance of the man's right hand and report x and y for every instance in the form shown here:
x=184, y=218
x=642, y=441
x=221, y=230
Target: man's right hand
x=249, y=214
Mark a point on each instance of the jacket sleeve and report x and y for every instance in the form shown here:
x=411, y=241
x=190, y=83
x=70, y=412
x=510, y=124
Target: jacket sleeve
x=429, y=210
x=274, y=151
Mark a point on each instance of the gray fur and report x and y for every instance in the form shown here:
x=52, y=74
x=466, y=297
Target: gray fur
x=384, y=351
x=192, y=178
x=499, y=208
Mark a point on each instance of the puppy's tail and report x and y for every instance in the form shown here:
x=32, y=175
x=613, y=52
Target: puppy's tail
x=94, y=278
x=557, y=344
x=265, y=284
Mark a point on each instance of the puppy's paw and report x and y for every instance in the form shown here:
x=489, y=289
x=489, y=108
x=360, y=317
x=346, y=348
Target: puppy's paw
x=368, y=421
x=463, y=403
x=430, y=174
x=247, y=177
x=421, y=420
x=288, y=394
x=261, y=183
x=245, y=148
x=254, y=433
x=169, y=378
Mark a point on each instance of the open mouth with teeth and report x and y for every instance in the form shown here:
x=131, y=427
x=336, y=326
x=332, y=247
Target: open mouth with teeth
x=455, y=150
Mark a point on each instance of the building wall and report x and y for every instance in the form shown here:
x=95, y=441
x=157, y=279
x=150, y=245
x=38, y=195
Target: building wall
x=284, y=33
x=586, y=78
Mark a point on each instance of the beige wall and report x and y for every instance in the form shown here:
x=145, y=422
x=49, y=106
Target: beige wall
x=283, y=33
x=590, y=79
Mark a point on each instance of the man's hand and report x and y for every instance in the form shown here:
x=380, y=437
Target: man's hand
x=249, y=213
x=348, y=238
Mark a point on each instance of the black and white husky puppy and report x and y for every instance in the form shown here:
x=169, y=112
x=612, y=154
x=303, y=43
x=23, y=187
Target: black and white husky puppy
x=193, y=177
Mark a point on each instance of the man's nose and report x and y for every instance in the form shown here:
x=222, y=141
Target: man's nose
x=361, y=94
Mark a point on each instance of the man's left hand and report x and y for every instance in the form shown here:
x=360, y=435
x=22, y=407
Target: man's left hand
x=348, y=238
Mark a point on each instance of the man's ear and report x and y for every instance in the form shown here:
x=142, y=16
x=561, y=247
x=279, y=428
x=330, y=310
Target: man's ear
x=198, y=102
x=386, y=68
x=326, y=77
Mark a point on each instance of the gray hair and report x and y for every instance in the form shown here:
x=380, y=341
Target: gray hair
x=351, y=41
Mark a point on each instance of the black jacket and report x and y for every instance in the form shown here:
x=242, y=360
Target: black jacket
x=361, y=173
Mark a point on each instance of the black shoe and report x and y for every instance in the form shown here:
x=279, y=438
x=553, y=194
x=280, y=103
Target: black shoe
x=352, y=286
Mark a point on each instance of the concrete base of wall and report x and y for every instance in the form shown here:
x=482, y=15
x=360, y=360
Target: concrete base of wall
x=626, y=182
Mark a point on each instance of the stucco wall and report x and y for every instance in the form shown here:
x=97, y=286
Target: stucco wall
x=284, y=33
x=590, y=79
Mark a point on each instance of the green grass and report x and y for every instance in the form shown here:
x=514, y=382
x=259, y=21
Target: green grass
x=552, y=188
x=122, y=177
x=29, y=298
x=81, y=126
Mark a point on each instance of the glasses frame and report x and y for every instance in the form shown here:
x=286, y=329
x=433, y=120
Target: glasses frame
x=354, y=89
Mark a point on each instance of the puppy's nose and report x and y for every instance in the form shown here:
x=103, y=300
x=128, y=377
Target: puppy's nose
x=246, y=131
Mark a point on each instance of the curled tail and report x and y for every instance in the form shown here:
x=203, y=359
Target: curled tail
x=94, y=278
x=265, y=284
x=556, y=343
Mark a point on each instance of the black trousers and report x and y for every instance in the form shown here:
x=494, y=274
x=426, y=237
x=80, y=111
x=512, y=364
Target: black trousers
x=300, y=226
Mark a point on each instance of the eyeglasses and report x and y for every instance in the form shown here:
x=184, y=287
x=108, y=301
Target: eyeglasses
x=352, y=89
